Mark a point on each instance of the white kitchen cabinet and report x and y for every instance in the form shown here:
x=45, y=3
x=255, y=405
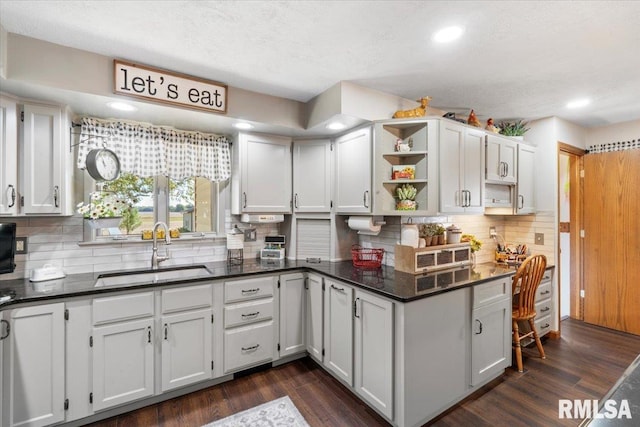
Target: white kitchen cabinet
x=315, y=317
x=461, y=151
x=122, y=376
x=312, y=175
x=373, y=351
x=250, y=322
x=47, y=168
x=526, y=200
x=34, y=366
x=501, y=160
x=186, y=348
x=261, y=174
x=292, y=314
x=122, y=322
x=422, y=135
x=490, y=330
x=353, y=172
x=338, y=330
x=9, y=198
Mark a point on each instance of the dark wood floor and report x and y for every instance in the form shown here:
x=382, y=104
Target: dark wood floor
x=583, y=364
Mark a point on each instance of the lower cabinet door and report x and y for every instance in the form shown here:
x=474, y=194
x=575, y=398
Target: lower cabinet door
x=122, y=363
x=292, y=314
x=248, y=346
x=373, y=351
x=315, y=305
x=490, y=340
x=338, y=330
x=186, y=348
x=34, y=366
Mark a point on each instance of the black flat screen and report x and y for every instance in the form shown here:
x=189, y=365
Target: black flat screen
x=7, y=247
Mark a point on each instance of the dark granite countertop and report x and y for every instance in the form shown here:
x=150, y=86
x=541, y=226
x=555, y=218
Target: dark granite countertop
x=386, y=281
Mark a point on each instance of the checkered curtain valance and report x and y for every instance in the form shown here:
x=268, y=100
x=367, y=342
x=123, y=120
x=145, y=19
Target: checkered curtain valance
x=146, y=150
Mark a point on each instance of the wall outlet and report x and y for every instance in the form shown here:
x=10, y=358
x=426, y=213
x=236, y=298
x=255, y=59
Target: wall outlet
x=539, y=238
x=21, y=245
x=250, y=235
x=492, y=232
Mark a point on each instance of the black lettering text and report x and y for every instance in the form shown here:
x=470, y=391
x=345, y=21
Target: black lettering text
x=125, y=87
x=152, y=90
x=172, y=91
x=194, y=95
x=138, y=84
x=218, y=101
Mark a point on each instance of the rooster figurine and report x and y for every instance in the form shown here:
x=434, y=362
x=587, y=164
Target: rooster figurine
x=491, y=127
x=473, y=120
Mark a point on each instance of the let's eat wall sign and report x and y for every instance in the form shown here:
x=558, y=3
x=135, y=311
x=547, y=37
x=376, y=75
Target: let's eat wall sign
x=167, y=87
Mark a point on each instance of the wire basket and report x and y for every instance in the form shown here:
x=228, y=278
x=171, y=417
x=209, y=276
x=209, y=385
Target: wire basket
x=366, y=257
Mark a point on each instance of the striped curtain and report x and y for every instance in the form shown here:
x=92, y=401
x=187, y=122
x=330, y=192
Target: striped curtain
x=146, y=150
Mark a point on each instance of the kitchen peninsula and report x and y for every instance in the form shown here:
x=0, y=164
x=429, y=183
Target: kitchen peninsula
x=451, y=326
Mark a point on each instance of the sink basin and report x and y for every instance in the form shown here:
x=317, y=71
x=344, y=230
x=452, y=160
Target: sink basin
x=152, y=276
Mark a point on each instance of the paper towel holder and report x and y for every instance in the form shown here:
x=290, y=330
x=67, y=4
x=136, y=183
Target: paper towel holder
x=377, y=220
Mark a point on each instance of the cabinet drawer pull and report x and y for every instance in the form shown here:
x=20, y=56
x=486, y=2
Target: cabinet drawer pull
x=545, y=309
x=364, y=198
x=166, y=331
x=521, y=198
x=244, y=316
x=149, y=334
x=13, y=196
x=337, y=288
x=250, y=291
x=244, y=200
x=355, y=308
x=480, y=329
x=545, y=292
x=295, y=200
x=252, y=348
x=8, y=329
x=546, y=325
x=56, y=189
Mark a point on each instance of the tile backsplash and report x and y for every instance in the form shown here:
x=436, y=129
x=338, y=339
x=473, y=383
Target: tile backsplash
x=55, y=240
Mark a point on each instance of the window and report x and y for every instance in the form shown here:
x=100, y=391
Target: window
x=192, y=206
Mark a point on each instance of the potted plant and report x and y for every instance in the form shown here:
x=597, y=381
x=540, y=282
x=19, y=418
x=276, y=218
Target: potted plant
x=475, y=245
x=439, y=232
x=517, y=128
x=426, y=233
x=406, y=198
x=104, y=210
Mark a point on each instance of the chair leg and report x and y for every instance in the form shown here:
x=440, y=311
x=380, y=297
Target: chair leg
x=537, y=338
x=516, y=342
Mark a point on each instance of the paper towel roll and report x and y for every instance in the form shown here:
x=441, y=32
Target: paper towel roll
x=364, y=225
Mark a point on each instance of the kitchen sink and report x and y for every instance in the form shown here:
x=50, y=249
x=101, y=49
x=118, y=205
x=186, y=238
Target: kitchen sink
x=152, y=276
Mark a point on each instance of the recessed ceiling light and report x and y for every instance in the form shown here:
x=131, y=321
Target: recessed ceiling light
x=335, y=126
x=578, y=103
x=243, y=125
x=121, y=106
x=448, y=34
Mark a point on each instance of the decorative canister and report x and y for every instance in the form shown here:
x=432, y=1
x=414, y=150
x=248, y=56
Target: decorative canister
x=453, y=234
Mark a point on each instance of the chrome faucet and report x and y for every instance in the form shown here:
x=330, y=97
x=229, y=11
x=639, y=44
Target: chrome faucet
x=155, y=259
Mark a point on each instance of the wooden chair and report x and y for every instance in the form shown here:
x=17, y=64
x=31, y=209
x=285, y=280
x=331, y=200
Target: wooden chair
x=524, y=286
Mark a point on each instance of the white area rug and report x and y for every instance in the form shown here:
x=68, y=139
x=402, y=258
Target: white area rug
x=279, y=412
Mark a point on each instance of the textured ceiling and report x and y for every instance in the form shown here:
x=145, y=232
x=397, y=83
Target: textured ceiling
x=518, y=59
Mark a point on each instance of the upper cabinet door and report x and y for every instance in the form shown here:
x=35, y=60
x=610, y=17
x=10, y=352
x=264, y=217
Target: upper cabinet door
x=526, y=200
x=312, y=170
x=265, y=174
x=461, y=160
x=42, y=185
x=8, y=157
x=501, y=160
x=353, y=172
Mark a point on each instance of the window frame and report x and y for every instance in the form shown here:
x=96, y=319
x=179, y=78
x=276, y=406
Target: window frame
x=161, y=213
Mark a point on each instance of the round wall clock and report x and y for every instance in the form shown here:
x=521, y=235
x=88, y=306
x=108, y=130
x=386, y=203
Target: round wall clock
x=103, y=164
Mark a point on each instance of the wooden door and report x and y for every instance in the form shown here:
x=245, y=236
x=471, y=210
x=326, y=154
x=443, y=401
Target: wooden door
x=612, y=240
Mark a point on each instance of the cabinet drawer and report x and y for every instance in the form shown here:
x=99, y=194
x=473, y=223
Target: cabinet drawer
x=543, y=308
x=248, y=346
x=543, y=325
x=544, y=291
x=186, y=298
x=248, y=312
x=122, y=307
x=242, y=290
x=490, y=292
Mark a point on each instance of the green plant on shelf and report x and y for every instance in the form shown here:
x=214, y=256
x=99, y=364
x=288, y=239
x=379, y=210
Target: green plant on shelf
x=517, y=128
x=406, y=195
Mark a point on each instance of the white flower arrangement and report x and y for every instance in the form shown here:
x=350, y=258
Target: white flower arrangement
x=102, y=205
